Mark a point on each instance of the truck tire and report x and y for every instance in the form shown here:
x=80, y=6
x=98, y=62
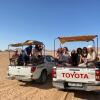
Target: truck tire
x=43, y=77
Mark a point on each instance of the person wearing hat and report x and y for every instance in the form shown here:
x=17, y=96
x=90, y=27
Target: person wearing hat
x=91, y=57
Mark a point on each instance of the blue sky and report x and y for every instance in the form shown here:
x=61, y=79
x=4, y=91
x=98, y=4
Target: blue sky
x=45, y=20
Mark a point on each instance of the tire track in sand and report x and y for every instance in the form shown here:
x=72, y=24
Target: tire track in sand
x=15, y=92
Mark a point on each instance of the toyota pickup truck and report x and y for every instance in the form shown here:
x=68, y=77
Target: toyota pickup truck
x=38, y=71
x=77, y=78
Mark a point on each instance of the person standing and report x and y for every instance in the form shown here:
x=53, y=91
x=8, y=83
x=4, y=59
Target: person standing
x=28, y=52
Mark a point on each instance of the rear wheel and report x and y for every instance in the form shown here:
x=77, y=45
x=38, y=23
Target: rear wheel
x=43, y=77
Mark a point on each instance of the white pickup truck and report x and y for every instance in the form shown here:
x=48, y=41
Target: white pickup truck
x=35, y=71
x=78, y=78
x=28, y=73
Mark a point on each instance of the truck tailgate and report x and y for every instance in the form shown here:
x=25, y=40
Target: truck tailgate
x=84, y=75
x=20, y=70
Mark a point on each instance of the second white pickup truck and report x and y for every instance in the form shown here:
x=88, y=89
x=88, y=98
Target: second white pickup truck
x=35, y=69
x=28, y=73
x=38, y=72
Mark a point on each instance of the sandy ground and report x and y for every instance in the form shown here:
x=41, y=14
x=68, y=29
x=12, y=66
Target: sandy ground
x=14, y=90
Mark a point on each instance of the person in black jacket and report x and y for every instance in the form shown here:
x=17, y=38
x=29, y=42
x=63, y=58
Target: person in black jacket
x=74, y=58
x=28, y=50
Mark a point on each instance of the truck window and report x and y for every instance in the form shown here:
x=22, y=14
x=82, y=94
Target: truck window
x=48, y=58
x=52, y=59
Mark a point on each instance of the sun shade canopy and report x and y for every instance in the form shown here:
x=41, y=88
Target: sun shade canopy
x=28, y=42
x=77, y=38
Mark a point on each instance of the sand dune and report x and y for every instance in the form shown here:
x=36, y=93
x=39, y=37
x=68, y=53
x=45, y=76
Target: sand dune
x=14, y=90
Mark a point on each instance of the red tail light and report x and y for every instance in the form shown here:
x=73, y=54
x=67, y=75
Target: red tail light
x=54, y=73
x=97, y=75
x=33, y=69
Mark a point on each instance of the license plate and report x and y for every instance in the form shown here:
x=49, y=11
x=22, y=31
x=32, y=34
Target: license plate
x=75, y=84
x=19, y=76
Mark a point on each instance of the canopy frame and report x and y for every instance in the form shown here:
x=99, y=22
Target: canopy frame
x=85, y=38
x=26, y=43
x=77, y=38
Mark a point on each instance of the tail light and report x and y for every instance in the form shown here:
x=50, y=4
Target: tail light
x=33, y=69
x=97, y=75
x=54, y=73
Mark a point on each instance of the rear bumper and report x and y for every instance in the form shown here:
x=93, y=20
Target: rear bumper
x=86, y=87
x=21, y=78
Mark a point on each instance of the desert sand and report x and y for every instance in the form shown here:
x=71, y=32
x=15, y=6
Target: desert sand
x=14, y=90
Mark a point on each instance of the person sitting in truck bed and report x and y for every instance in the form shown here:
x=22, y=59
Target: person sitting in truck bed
x=66, y=58
x=59, y=55
x=84, y=54
x=90, y=59
x=21, y=58
x=38, y=50
x=14, y=57
x=37, y=56
x=74, y=58
x=79, y=52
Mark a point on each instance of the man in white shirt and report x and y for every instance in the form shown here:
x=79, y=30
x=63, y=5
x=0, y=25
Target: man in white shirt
x=91, y=57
